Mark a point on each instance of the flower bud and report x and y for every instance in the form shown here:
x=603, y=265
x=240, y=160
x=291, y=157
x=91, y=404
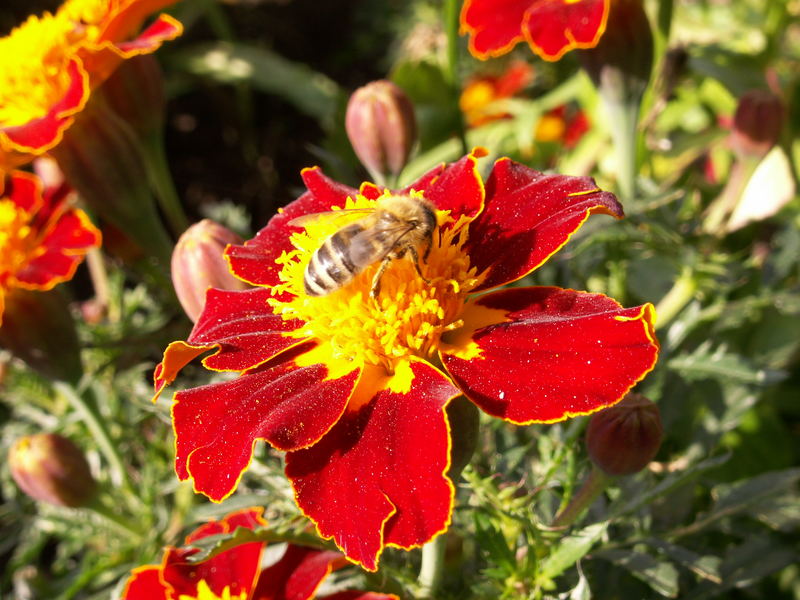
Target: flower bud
x=621, y=63
x=198, y=264
x=624, y=438
x=381, y=126
x=757, y=123
x=50, y=468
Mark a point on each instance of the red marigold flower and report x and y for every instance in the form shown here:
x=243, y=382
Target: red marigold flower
x=564, y=125
x=551, y=27
x=480, y=92
x=50, y=64
x=42, y=238
x=354, y=387
x=236, y=574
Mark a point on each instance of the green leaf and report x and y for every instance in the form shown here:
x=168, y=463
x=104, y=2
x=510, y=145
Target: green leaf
x=309, y=91
x=570, y=550
x=706, y=567
x=659, y=575
x=706, y=363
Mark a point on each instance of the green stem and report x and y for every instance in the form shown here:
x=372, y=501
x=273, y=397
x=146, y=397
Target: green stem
x=623, y=119
x=94, y=423
x=451, y=13
x=682, y=292
x=162, y=182
x=432, y=569
x=595, y=483
x=122, y=524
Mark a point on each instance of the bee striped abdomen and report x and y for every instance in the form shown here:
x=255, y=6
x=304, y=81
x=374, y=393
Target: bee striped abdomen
x=331, y=266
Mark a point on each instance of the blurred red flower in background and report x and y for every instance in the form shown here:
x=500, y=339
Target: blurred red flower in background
x=551, y=27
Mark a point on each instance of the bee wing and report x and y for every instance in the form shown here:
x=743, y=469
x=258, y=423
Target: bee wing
x=374, y=244
x=330, y=216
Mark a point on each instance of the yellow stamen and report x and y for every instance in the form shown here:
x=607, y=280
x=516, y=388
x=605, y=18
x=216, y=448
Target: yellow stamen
x=17, y=239
x=204, y=593
x=33, y=74
x=406, y=319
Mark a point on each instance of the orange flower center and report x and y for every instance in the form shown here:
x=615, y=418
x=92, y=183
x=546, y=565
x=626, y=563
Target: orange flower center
x=33, y=74
x=409, y=315
x=16, y=239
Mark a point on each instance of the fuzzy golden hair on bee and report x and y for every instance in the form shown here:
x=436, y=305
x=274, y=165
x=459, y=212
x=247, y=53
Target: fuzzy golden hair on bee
x=397, y=226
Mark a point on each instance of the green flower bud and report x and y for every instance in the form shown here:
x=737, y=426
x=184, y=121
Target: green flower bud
x=624, y=438
x=50, y=468
x=381, y=126
x=757, y=123
x=198, y=264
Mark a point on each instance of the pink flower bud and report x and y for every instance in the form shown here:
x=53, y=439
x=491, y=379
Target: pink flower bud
x=50, y=468
x=624, y=438
x=757, y=123
x=198, y=264
x=381, y=126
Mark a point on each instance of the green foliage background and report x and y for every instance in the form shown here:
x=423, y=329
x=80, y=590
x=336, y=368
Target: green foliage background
x=257, y=91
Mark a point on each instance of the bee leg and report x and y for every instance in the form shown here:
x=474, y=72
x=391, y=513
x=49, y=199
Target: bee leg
x=376, y=280
x=415, y=256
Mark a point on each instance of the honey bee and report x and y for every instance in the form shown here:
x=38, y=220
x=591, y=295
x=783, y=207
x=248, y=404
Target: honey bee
x=396, y=226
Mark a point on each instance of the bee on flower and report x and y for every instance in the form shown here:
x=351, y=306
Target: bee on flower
x=353, y=384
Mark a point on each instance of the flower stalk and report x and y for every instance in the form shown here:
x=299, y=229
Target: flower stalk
x=451, y=19
x=595, y=483
x=432, y=570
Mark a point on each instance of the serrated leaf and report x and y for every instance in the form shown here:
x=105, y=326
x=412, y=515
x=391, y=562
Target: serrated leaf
x=570, y=550
x=492, y=541
x=706, y=567
x=661, y=576
x=211, y=546
x=704, y=363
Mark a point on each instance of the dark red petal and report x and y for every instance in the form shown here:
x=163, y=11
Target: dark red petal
x=255, y=261
x=164, y=28
x=556, y=354
x=458, y=188
x=297, y=575
x=528, y=216
x=217, y=425
x=555, y=27
x=145, y=584
x=24, y=190
x=495, y=26
x=242, y=328
x=39, y=135
x=378, y=477
x=60, y=251
x=356, y=595
x=235, y=569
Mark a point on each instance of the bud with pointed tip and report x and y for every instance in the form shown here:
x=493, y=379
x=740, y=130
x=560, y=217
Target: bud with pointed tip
x=757, y=124
x=624, y=438
x=381, y=126
x=50, y=468
x=198, y=264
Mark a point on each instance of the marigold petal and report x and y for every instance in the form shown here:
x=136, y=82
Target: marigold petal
x=236, y=568
x=556, y=354
x=244, y=328
x=362, y=483
x=128, y=18
x=528, y=216
x=24, y=190
x=239, y=325
x=145, y=583
x=217, y=425
x=60, y=252
x=39, y=135
x=297, y=575
x=494, y=26
x=163, y=29
x=357, y=595
x=254, y=262
x=457, y=188
x=555, y=27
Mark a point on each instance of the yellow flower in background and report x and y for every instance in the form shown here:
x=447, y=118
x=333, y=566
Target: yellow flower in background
x=50, y=64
